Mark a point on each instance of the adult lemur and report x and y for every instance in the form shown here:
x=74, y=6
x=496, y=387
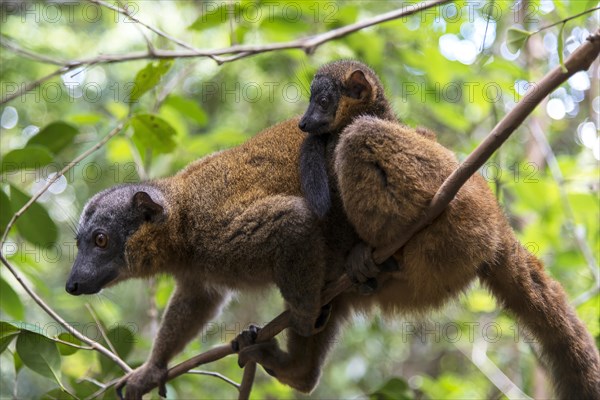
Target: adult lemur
x=237, y=220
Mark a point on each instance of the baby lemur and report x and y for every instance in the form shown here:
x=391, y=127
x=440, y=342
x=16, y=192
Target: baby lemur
x=386, y=175
x=238, y=220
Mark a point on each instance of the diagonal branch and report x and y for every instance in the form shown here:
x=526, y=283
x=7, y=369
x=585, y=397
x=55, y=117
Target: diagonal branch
x=236, y=52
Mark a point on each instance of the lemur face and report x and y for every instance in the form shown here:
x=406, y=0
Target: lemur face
x=325, y=95
x=106, y=223
x=334, y=103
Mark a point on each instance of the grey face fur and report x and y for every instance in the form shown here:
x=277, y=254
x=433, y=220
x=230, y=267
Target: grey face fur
x=325, y=94
x=115, y=213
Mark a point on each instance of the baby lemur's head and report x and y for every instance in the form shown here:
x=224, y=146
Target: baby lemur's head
x=105, y=225
x=340, y=92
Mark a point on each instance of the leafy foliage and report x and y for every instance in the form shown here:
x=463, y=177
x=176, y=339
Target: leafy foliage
x=455, y=70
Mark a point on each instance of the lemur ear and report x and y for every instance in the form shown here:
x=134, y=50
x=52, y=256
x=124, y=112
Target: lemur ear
x=148, y=207
x=358, y=86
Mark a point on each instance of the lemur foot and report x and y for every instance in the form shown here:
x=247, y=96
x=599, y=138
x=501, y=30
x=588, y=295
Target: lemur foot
x=141, y=381
x=363, y=271
x=248, y=350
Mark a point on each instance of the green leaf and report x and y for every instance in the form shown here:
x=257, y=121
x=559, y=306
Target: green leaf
x=10, y=301
x=5, y=211
x=560, y=49
x=187, y=107
x=58, y=394
x=35, y=225
x=55, y=136
x=147, y=78
x=516, y=38
x=122, y=339
x=394, y=389
x=65, y=349
x=39, y=354
x=7, y=333
x=31, y=157
x=213, y=16
x=85, y=118
x=153, y=132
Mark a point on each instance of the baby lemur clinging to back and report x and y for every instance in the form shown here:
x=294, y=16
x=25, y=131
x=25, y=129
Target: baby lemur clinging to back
x=386, y=174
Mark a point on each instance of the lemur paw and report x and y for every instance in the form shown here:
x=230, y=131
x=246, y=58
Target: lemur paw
x=143, y=380
x=246, y=338
x=248, y=350
x=363, y=271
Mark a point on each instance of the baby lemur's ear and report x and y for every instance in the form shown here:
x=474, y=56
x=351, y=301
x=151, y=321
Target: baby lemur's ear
x=357, y=85
x=150, y=210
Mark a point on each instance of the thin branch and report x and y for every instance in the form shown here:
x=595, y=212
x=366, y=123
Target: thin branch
x=101, y=328
x=63, y=171
x=564, y=21
x=58, y=340
x=32, y=85
x=9, y=44
x=552, y=162
x=478, y=356
x=307, y=44
x=95, y=345
x=216, y=375
x=126, y=13
x=585, y=296
x=103, y=389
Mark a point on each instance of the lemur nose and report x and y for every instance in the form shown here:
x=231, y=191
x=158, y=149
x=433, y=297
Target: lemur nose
x=302, y=125
x=71, y=287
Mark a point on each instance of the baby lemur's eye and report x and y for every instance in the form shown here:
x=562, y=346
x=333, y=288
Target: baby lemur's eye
x=101, y=240
x=322, y=101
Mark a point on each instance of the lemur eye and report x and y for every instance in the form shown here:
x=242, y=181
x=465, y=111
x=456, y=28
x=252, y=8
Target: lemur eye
x=101, y=240
x=322, y=101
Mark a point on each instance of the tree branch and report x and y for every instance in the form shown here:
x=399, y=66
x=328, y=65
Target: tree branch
x=236, y=52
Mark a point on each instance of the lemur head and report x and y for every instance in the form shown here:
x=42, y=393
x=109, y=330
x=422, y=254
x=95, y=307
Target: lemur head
x=340, y=92
x=107, y=222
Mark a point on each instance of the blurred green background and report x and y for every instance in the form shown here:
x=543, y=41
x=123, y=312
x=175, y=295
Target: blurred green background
x=449, y=69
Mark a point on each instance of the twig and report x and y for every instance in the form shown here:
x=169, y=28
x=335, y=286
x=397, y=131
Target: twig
x=247, y=381
x=101, y=328
x=58, y=340
x=9, y=44
x=63, y=171
x=307, y=44
x=95, y=345
x=126, y=13
x=585, y=296
x=103, y=389
x=563, y=21
x=216, y=375
x=552, y=162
